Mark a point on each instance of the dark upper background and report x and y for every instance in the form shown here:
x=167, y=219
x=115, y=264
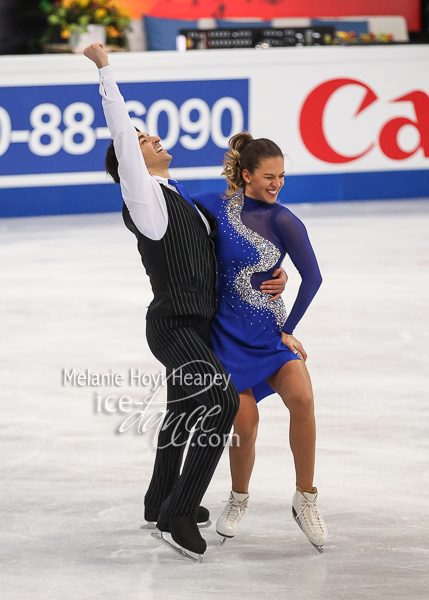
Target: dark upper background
x=22, y=21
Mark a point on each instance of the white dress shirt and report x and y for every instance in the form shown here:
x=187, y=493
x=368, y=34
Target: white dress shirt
x=141, y=191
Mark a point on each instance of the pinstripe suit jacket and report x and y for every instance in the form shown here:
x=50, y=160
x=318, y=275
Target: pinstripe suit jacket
x=182, y=264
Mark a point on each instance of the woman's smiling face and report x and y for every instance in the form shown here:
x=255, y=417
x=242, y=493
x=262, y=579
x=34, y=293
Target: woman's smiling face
x=266, y=180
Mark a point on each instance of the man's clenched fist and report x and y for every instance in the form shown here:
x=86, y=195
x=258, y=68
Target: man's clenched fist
x=96, y=53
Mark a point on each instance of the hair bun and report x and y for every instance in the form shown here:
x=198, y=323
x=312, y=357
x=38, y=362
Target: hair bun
x=232, y=162
x=239, y=141
x=242, y=155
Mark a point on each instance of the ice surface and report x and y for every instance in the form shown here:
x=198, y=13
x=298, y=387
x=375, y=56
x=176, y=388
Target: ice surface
x=73, y=295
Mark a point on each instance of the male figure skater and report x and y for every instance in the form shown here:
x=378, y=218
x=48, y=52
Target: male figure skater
x=175, y=241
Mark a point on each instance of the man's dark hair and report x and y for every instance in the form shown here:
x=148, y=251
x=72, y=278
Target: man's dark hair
x=111, y=162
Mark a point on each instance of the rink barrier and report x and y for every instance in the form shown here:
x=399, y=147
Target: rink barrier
x=86, y=199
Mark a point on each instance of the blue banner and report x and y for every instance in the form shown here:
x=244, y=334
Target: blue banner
x=61, y=129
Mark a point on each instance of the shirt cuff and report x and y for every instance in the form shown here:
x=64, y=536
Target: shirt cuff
x=106, y=73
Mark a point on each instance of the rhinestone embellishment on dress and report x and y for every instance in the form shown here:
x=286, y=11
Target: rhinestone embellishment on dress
x=268, y=257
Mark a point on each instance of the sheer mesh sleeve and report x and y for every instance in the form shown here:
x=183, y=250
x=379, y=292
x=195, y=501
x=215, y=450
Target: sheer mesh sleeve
x=293, y=235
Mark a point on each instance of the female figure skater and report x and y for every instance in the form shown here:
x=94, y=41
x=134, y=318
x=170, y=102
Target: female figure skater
x=250, y=332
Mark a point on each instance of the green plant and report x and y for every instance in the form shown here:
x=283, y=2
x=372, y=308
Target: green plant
x=74, y=16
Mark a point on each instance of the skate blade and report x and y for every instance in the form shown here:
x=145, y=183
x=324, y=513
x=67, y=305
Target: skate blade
x=152, y=525
x=224, y=537
x=318, y=548
x=204, y=525
x=187, y=554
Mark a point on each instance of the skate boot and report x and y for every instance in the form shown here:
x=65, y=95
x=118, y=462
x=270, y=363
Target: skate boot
x=229, y=522
x=308, y=517
x=151, y=514
x=186, y=538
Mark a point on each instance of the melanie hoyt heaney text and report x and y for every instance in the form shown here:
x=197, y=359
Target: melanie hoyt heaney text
x=138, y=378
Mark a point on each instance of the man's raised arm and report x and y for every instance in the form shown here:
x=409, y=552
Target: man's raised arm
x=141, y=193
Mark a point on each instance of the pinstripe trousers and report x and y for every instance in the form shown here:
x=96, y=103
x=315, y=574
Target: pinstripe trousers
x=181, y=344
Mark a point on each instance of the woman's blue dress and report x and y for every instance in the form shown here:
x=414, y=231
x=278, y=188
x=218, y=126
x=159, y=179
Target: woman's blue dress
x=252, y=241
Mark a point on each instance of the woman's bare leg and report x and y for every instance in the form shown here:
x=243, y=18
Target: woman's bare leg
x=242, y=448
x=241, y=459
x=292, y=383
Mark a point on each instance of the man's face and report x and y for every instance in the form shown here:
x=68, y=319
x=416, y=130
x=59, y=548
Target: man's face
x=155, y=157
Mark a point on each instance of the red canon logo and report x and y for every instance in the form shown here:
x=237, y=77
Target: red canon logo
x=313, y=136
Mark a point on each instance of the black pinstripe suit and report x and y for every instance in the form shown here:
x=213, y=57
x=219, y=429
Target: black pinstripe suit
x=182, y=270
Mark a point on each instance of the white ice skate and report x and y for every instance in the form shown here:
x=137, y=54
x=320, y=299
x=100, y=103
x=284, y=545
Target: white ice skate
x=308, y=517
x=229, y=522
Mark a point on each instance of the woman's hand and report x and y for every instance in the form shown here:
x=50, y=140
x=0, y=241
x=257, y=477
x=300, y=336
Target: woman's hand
x=276, y=285
x=294, y=345
x=96, y=53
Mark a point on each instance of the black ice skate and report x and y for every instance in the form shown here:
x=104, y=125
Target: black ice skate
x=185, y=533
x=151, y=515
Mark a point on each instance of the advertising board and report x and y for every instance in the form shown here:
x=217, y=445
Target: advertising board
x=353, y=122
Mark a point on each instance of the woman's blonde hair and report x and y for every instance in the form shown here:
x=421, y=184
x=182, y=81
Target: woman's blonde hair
x=244, y=152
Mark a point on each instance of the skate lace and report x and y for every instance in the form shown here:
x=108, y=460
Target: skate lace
x=311, y=514
x=235, y=512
